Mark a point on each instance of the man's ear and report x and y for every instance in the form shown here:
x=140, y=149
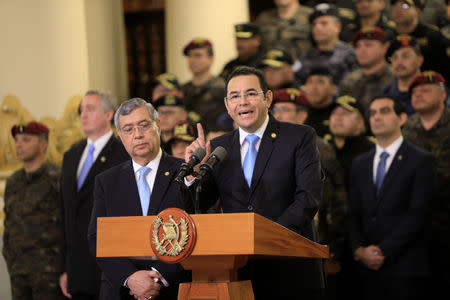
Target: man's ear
x=268, y=98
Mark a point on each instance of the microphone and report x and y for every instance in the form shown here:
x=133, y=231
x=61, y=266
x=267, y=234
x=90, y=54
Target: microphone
x=187, y=168
x=216, y=156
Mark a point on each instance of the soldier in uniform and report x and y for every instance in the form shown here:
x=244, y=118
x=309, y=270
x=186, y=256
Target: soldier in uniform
x=286, y=26
x=183, y=135
x=171, y=111
x=369, y=14
x=248, y=42
x=433, y=44
x=320, y=90
x=406, y=59
x=32, y=218
x=328, y=49
x=291, y=105
x=203, y=94
x=363, y=84
x=277, y=67
x=348, y=132
x=166, y=84
x=429, y=129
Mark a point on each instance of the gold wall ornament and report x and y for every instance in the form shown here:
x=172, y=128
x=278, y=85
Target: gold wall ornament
x=172, y=235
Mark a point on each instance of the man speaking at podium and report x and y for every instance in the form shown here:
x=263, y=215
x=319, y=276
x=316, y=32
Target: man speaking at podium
x=272, y=169
x=138, y=187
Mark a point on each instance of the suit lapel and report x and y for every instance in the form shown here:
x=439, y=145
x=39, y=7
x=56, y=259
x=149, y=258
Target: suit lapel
x=101, y=159
x=74, y=167
x=393, y=170
x=236, y=157
x=264, y=152
x=131, y=192
x=163, y=179
x=368, y=183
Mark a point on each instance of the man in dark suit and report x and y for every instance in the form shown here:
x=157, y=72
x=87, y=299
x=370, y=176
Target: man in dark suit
x=281, y=182
x=141, y=186
x=391, y=188
x=80, y=278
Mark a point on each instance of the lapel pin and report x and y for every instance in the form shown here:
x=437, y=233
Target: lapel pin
x=166, y=173
x=400, y=157
x=273, y=135
x=102, y=159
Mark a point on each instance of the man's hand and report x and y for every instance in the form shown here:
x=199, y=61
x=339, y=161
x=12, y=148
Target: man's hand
x=199, y=142
x=142, y=284
x=372, y=257
x=63, y=285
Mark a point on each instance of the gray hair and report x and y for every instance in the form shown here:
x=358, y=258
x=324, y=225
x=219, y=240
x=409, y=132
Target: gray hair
x=107, y=100
x=128, y=106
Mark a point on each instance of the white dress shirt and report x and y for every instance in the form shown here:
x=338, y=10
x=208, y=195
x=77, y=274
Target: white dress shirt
x=153, y=164
x=99, y=144
x=391, y=149
x=243, y=134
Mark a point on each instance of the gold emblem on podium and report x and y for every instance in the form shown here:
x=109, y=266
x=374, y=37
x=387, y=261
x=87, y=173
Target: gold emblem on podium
x=174, y=238
x=172, y=235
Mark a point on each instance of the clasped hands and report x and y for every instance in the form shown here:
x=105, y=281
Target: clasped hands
x=144, y=284
x=371, y=256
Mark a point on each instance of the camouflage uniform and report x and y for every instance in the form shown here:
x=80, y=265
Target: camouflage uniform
x=32, y=233
x=292, y=34
x=252, y=62
x=348, y=30
x=364, y=87
x=437, y=141
x=333, y=209
x=206, y=100
x=341, y=60
x=433, y=46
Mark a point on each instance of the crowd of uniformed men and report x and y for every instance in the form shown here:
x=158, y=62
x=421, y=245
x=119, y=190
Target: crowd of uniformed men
x=327, y=64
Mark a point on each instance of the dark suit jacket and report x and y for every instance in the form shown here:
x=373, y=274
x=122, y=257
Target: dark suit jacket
x=76, y=207
x=116, y=194
x=286, y=188
x=398, y=219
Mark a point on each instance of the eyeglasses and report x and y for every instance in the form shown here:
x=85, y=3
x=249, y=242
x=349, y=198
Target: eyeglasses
x=141, y=127
x=249, y=95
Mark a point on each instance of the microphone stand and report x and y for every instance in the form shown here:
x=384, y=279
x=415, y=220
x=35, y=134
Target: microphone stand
x=198, y=190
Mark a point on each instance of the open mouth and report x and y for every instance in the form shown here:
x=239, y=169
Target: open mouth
x=245, y=113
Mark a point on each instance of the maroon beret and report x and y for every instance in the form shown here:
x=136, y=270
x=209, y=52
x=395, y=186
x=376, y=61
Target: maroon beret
x=290, y=95
x=183, y=131
x=31, y=128
x=426, y=77
x=197, y=43
x=370, y=33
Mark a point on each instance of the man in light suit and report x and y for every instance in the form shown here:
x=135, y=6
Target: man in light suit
x=120, y=191
x=391, y=191
x=282, y=182
x=80, y=278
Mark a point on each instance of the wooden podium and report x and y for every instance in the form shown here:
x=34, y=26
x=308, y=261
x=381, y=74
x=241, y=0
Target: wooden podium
x=224, y=244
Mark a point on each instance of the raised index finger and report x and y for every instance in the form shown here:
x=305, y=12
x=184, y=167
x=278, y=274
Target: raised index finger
x=201, y=135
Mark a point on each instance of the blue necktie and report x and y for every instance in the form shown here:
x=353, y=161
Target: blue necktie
x=144, y=189
x=86, y=166
x=250, y=157
x=381, y=171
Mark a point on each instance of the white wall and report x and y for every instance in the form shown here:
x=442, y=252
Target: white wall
x=212, y=19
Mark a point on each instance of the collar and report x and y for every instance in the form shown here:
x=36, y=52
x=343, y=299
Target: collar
x=259, y=132
x=153, y=164
x=391, y=149
x=101, y=141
